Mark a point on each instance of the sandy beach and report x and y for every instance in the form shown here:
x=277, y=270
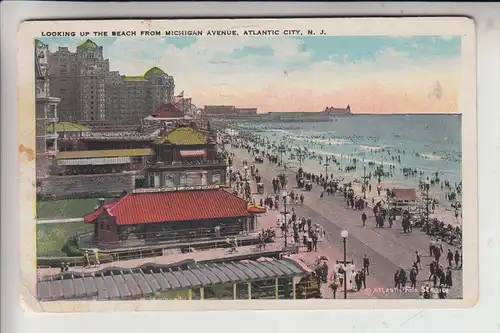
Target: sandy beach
x=442, y=211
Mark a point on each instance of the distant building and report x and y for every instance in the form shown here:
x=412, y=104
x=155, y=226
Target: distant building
x=79, y=80
x=219, y=110
x=228, y=111
x=326, y=115
x=46, y=112
x=164, y=114
x=338, y=111
x=89, y=92
x=246, y=111
x=131, y=98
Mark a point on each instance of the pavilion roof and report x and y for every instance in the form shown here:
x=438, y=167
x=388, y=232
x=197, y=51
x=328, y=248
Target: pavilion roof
x=404, y=194
x=184, y=205
x=167, y=110
x=105, y=153
x=183, y=136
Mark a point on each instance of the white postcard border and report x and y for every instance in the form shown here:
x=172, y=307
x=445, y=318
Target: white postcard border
x=349, y=26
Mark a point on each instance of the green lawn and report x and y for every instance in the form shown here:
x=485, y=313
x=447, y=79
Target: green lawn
x=51, y=237
x=57, y=209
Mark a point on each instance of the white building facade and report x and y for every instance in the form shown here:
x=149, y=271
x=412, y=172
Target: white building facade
x=45, y=112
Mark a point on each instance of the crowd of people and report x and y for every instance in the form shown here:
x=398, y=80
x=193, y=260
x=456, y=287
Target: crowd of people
x=308, y=234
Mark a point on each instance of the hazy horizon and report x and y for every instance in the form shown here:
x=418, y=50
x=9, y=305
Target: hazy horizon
x=372, y=74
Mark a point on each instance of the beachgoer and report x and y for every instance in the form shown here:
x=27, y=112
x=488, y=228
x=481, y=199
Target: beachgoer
x=457, y=258
x=418, y=260
x=449, y=257
x=366, y=265
x=86, y=259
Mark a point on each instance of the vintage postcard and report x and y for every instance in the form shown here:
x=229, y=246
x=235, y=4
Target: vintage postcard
x=263, y=164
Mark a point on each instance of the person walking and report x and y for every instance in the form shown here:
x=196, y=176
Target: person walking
x=432, y=245
x=363, y=219
x=457, y=259
x=86, y=259
x=341, y=275
x=366, y=265
x=449, y=256
x=363, y=278
x=432, y=269
x=358, y=280
x=97, y=262
x=397, y=281
x=437, y=253
x=418, y=260
x=413, y=278
x=315, y=241
x=439, y=244
x=448, y=278
x=334, y=285
x=402, y=277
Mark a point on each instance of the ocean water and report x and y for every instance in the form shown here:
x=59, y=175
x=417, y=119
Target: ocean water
x=428, y=143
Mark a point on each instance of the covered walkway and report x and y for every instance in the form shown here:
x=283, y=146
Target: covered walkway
x=188, y=277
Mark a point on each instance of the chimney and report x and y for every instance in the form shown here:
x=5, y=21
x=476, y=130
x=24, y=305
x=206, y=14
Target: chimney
x=102, y=202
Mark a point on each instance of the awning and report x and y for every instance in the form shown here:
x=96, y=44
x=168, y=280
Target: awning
x=189, y=153
x=96, y=161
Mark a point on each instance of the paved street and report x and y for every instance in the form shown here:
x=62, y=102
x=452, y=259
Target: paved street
x=387, y=248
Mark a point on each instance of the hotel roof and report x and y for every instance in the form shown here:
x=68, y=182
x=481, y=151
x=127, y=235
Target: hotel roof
x=141, y=208
x=155, y=71
x=104, y=153
x=149, y=279
x=88, y=44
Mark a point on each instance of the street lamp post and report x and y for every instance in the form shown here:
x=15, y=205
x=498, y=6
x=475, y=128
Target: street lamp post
x=326, y=167
x=282, y=150
x=230, y=176
x=427, y=201
x=285, y=196
x=364, y=181
x=300, y=155
x=344, y=235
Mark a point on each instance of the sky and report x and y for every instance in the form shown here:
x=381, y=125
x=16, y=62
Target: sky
x=372, y=74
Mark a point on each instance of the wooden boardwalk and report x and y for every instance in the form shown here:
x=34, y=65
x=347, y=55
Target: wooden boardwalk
x=171, y=258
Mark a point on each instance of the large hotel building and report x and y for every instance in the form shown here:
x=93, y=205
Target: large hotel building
x=90, y=92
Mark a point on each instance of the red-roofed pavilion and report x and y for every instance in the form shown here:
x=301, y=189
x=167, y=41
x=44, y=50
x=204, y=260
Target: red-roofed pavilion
x=170, y=215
